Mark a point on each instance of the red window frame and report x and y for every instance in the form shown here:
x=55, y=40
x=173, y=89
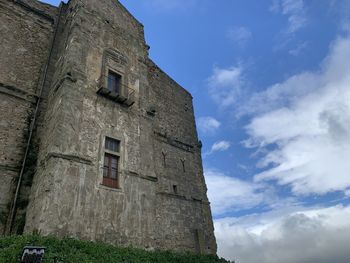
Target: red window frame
x=110, y=171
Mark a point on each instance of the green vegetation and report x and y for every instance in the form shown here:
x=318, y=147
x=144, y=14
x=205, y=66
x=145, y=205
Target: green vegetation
x=74, y=251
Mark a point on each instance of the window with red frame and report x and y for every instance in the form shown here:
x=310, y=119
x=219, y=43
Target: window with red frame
x=111, y=163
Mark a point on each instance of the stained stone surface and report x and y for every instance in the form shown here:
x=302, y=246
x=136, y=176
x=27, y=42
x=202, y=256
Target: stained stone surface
x=162, y=201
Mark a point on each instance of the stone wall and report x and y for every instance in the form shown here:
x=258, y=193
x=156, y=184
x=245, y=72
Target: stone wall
x=161, y=202
x=182, y=205
x=25, y=32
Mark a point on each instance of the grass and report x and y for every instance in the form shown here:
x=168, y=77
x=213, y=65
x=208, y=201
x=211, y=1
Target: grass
x=74, y=251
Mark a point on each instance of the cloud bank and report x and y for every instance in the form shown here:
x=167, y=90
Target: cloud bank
x=300, y=130
x=306, y=119
x=227, y=193
x=300, y=127
x=307, y=236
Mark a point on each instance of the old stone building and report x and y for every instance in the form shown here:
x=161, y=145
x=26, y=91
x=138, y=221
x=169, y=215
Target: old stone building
x=96, y=142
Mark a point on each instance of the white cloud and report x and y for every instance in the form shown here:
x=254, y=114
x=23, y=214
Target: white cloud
x=225, y=85
x=220, y=146
x=227, y=193
x=281, y=94
x=294, y=10
x=306, y=119
x=208, y=125
x=239, y=35
x=304, y=236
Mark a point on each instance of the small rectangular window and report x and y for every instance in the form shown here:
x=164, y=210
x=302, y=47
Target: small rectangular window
x=111, y=163
x=112, y=144
x=114, y=82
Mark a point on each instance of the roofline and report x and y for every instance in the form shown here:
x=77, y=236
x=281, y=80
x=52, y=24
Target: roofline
x=167, y=75
x=34, y=9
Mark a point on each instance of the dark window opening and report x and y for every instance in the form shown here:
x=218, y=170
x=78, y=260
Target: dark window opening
x=175, y=188
x=114, y=82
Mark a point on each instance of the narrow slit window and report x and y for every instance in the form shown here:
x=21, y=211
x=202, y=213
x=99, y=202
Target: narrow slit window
x=175, y=188
x=114, y=82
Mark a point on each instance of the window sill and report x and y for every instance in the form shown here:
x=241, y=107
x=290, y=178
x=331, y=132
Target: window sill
x=110, y=189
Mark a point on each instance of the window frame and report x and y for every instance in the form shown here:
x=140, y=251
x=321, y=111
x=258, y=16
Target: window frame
x=118, y=81
x=109, y=181
x=116, y=62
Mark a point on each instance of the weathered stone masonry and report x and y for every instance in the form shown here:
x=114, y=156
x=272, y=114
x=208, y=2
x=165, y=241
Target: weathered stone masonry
x=61, y=58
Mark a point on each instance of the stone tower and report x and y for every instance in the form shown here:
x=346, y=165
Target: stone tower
x=96, y=142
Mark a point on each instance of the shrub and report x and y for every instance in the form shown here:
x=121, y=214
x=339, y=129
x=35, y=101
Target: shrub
x=70, y=250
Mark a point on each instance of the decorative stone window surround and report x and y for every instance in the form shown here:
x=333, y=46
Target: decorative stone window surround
x=116, y=62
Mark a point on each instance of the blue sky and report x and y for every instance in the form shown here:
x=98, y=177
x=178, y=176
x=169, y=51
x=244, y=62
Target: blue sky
x=271, y=87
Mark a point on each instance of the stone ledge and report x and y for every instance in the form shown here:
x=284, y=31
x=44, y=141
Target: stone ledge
x=182, y=197
x=18, y=93
x=68, y=157
x=177, y=196
x=174, y=142
x=145, y=177
x=103, y=187
x=9, y=168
